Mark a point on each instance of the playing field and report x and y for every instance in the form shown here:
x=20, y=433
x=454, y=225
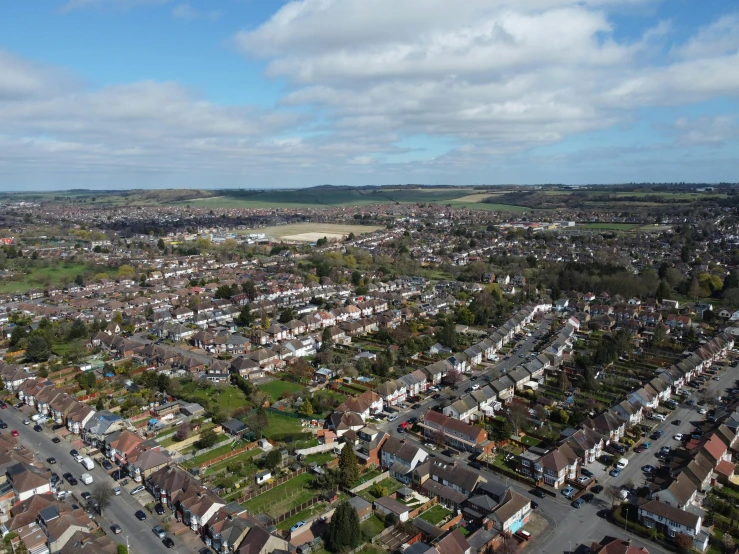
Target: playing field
x=311, y=232
x=479, y=197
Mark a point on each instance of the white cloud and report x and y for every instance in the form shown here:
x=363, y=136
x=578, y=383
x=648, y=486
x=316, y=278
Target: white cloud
x=713, y=130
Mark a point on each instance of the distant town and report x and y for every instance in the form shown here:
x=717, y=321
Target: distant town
x=428, y=370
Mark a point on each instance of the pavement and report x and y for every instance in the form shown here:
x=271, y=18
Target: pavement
x=141, y=539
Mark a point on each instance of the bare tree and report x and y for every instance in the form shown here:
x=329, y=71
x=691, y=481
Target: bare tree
x=613, y=493
x=508, y=546
x=518, y=414
x=438, y=437
x=102, y=494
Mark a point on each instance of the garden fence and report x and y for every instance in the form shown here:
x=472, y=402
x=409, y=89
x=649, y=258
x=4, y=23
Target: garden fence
x=271, y=485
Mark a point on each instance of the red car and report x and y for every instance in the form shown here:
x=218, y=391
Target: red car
x=403, y=425
x=3, y=405
x=640, y=448
x=14, y=433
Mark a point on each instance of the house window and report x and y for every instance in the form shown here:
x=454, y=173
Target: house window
x=649, y=523
x=671, y=531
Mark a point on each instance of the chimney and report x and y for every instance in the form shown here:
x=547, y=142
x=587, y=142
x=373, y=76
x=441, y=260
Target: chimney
x=487, y=524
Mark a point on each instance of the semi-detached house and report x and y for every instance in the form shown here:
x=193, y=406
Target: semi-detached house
x=673, y=521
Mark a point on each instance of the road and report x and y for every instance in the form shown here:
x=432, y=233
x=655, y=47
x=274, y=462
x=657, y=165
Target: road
x=141, y=539
x=583, y=526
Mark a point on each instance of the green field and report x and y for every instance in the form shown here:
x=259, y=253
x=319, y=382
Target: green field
x=42, y=277
x=276, y=388
x=490, y=207
x=609, y=226
x=220, y=451
x=242, y=458
x=283, y=497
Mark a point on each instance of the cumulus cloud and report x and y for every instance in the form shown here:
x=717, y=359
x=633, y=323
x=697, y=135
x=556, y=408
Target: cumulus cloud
x=495, y=79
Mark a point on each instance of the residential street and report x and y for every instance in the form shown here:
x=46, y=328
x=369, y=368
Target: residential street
x=141, y=539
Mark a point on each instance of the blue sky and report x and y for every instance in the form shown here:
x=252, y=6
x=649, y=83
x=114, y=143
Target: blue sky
x=261, y=94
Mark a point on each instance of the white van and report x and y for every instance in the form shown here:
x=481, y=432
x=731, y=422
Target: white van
x=622, y=463
x=86, y=478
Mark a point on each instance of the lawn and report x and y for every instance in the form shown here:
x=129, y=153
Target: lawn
x=282, y=498
x=283, y=428
x=372, y=526
x=277, y=388
x=238, y=459
x=220, y=451
x=435, y=514
x=227, y=398
x=320, y=458
x=366, y=477
x=530, y=441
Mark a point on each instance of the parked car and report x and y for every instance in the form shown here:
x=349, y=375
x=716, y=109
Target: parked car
x=159, y=532
x=583, y=479
x=597, y=489
x=577, y=503
x=588, y=497
x=678, y=437
x=169, y=543
x=14, y=433
x=525, y=535
x=648, y=468
x=107, y=465
x=297, y=526
x=615, y=472
x=539, y=493
x=116, y=529
x=392, y=417
x=569, y=492
x=138, y=489
x=56, y=440
x=140, y=515
x=639, y=449
x=159, y=509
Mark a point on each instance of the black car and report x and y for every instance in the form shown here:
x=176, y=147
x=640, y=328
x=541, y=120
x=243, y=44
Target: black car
x=205, y=551
x=539, y=493
x=140, y=515
x=448, y=452
x=586, y=472
x=54, y=478
x=415, y=406
x=73, y=453
x=169, y=543
x=51, y=460
x=534, y=505
x=86, y=495
x=474, y=378
x=676, y=421
x=72, y=481
x=436, y=396
x=588, y=496
x=476, y=465
x=56, y=440
x=107, y=465
x=413, y=420
x=3, y=425
x=159, y=509
x=117, y=474
x=37, y=428
x=596, y=489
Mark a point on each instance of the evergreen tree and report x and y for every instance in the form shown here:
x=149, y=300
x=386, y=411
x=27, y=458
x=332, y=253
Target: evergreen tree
x=37, y=349
x=348, y=466
x=306, y=408
x=344, y=532
x=245, y=318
